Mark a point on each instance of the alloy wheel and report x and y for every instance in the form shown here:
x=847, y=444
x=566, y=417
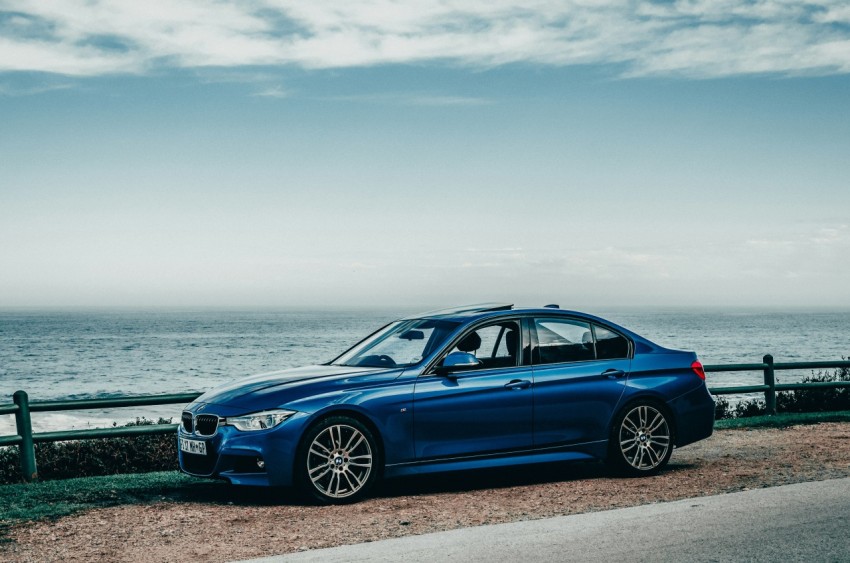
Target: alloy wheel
x=339, y=461
x=644, y=438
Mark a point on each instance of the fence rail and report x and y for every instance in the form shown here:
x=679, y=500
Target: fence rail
x=768, y=367
x=25, y=438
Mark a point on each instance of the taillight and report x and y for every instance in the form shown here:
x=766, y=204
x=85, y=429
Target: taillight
x=698, y=369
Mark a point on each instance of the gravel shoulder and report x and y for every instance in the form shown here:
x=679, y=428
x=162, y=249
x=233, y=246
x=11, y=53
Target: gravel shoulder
x=243, y=524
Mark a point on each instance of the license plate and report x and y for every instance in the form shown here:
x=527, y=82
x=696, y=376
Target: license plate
x=193, y=446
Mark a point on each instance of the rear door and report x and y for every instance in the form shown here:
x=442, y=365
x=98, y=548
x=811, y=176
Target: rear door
x=580, y=371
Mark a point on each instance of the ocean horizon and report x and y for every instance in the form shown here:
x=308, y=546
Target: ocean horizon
x=77, y=353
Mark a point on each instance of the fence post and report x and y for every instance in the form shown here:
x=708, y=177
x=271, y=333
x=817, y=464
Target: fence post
x=770, y=381
x=24, y=426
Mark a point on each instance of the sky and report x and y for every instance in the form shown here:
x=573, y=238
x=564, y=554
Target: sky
x=270, y=153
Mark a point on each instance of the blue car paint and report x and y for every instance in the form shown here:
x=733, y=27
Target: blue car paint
x=472, y=413
x=574, y=403
x=427, y=422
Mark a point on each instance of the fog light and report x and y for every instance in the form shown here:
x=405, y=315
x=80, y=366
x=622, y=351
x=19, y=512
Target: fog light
x=260, y=463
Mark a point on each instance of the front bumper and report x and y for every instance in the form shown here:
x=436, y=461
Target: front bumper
x=233, y=454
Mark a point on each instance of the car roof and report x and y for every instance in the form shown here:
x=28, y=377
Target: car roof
x=465, y=313
x=468, y=313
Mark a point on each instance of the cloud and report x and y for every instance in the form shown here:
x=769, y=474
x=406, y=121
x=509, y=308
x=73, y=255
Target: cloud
x=15, y=89
x=273, y=92
x=698, y=38
x=413, y=99
x=610, y=262
x=831, y=237
x=816, y=254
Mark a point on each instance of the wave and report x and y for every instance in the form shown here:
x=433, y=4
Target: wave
x=88, y=419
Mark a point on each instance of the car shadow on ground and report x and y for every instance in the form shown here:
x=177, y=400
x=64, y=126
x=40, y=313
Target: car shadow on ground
x=498, y=478
x=222, y=492
x=219, y=492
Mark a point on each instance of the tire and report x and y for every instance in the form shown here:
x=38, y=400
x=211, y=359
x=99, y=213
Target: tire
x=338, y=461
x=641, y=440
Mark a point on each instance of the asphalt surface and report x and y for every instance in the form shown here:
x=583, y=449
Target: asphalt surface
x=802, y=522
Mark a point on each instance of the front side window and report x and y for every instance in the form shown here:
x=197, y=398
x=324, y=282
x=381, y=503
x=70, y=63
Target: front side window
x=399, y=344
x=563, y=340
x=495, y=346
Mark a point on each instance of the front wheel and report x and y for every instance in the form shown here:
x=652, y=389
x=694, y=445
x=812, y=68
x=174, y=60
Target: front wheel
x=338, y=460
x=641, y=440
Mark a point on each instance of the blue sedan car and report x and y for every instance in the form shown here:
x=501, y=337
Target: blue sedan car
x=465, y=388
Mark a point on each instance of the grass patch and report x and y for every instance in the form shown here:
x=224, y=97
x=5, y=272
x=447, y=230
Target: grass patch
x=782, y=420
x=21, y=502
x=51, y=499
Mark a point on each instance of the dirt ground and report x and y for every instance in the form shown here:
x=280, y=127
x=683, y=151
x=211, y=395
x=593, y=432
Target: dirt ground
x=250, y=524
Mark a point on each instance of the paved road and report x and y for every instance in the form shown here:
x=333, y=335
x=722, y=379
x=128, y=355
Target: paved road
x=803, y=522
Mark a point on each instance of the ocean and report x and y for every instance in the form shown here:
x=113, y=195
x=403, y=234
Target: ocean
x=75, y=354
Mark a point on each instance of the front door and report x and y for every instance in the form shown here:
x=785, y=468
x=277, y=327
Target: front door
x=477, y=411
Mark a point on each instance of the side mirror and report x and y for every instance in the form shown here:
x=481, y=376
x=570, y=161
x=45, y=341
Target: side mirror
x=458, y=361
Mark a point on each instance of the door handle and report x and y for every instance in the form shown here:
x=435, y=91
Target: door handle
x=518, y=384
x=613, y=373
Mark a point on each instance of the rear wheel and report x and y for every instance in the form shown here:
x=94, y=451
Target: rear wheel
x=641, y=439
x=338, y=460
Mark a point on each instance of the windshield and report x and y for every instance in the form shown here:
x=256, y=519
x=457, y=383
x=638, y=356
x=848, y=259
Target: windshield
x=399, y=344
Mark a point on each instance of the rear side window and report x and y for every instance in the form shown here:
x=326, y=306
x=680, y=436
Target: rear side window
x=563, y=340
x=610, y=345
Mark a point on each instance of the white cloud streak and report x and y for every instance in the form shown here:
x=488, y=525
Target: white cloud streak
x=273, y=92
x=699, y=38
x=413, y=99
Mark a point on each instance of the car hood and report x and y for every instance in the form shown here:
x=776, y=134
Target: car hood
x=276, y=388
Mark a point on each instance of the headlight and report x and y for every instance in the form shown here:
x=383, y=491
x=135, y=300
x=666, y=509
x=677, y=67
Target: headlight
x=259, y=420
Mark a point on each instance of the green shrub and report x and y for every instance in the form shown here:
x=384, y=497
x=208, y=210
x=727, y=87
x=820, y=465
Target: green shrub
x=817, y=400
x=101, y=456
x=723, y=408
x=801, y=400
